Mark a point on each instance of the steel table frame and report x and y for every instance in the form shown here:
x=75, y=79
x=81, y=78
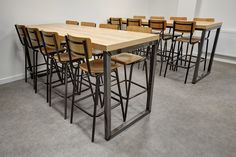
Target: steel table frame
x=109, y=133
x=196, y=77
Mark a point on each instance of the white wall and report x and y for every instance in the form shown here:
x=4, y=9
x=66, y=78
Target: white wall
x=165, y=8
x=49, y=11
x=223, y=11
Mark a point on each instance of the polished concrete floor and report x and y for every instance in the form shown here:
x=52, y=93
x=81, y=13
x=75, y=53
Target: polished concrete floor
x=186, y=121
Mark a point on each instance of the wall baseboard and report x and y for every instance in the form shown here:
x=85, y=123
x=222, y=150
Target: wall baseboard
x=12, y=78
x=225, y=59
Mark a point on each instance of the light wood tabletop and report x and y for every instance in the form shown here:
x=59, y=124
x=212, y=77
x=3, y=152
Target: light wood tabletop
x=102, y=39
x=199, y=24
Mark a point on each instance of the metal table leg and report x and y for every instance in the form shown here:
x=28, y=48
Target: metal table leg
x=195, y=75
x=151, y=76
x=197, y=78
x=213, y=49
x=107, y=94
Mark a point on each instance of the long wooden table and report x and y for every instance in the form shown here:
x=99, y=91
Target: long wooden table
x=203, y=27
x=108, y=41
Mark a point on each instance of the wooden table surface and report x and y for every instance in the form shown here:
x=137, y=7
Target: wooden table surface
x=199, y=24
x=102, y=39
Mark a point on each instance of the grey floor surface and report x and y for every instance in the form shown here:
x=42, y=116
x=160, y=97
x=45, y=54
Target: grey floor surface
x=186, y=121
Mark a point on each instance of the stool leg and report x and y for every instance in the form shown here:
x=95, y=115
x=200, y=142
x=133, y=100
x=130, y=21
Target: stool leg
x=73, y=97
x=146, y=73
x=168, y=59
x=178, y=54
x=128, y=90
x=205, y=59
x=120, y=94
x=91, y=88
x=34, y=69
x=36, y=72
x=186, y=55
x=50, y=82
x=95, y=105
x=25, y=63
x=47, y=66
x=161, y=55
x=66, y=83
x=189, y=62
x=126, y=86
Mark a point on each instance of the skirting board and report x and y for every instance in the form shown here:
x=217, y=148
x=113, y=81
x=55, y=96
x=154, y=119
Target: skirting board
x=220, y=58
x=12, y=78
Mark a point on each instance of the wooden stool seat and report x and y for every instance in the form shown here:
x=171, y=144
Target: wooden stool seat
x=65, y=57
x=126, y=58
x=187, y=40
x=96, y=66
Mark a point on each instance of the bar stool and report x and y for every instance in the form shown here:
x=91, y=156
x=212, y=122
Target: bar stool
x=72, y=22
x=185, y=27
x=159, y=27
x=116, y=21
x=131, y=59
x=52, y=46
x=134, y=22
x=88, y=24
x=21, y=32
x=157, y=18
x=207, y=37
x=35, y=43
x=93, y=68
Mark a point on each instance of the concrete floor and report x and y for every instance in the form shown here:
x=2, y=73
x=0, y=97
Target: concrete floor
x=186, y=121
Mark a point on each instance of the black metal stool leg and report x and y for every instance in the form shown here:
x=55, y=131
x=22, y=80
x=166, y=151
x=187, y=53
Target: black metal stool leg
x=50, y=82
x=26, y=64
x=66, y=83
x=36, y=72
x=189, y=62
x=168, y=59
x=120, y=94
x=128, y=91
x=95, y=105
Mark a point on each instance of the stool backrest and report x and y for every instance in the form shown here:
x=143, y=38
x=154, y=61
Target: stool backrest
x=134, y=22
x=21, y=32
x=109, y=26
x=35, y=40
x=51, y=42
x=88, y=24
x=177, y=18
x=139, y=17
x=184, y=27
x=157, y=24
x=204, y=19
x=80, y=46
x=116, y=21
x=139, y=29
x=72, y=22
x=157, y=17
